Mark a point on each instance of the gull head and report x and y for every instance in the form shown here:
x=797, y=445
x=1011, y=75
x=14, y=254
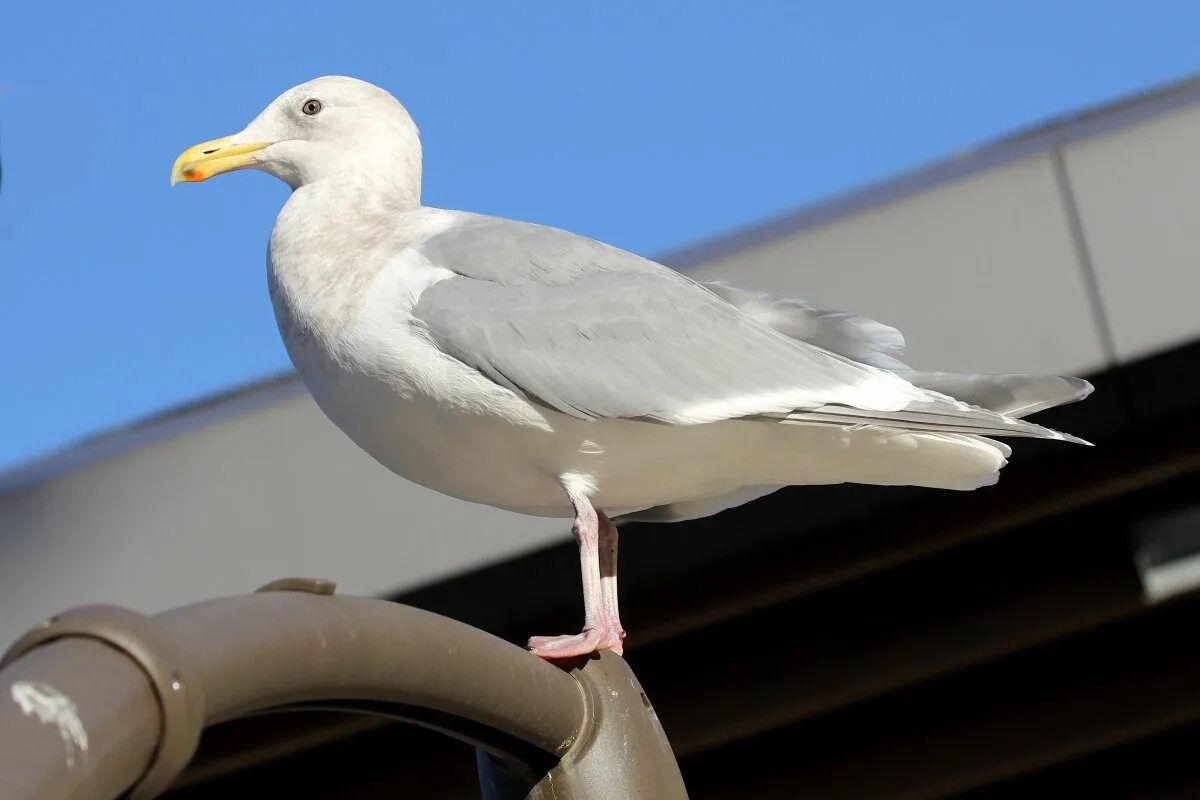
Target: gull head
x=331, y=128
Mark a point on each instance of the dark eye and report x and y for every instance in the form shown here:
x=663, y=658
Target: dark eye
x=312, y=107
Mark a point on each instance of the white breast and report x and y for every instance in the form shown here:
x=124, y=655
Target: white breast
x=349, y=331
x=348, y=327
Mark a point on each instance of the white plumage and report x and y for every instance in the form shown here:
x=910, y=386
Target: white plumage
x=536, y=370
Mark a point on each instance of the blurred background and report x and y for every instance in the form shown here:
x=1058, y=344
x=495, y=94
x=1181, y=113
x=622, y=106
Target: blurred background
x=1014, y=185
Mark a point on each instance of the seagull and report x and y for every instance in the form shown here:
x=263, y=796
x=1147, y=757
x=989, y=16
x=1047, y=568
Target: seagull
x=536, y=370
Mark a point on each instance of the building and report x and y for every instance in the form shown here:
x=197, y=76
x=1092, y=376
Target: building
x=1018, y=639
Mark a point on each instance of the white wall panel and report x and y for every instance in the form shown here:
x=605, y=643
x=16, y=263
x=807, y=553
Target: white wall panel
x=980, y=274
x=1138, y=193
x=221, y=510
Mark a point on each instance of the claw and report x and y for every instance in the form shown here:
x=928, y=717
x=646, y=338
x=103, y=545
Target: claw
x=580, y=644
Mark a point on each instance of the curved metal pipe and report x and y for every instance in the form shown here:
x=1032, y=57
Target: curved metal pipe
x=266, y=651
x=276, y=649
x=67, y=682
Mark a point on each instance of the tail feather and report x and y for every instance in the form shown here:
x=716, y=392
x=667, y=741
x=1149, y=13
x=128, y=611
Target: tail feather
x=936, y=412
x=1012, y=395
x=980, y=405
x=932, y=422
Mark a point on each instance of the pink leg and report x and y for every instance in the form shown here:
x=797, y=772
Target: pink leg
x=601, y=628
x=609, y=538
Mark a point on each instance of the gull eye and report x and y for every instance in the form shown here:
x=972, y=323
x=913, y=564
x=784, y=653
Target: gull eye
x=312, y=107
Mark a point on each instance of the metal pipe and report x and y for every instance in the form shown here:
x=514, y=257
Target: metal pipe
x=91, y=722
x=78, y=719
x=276, y=649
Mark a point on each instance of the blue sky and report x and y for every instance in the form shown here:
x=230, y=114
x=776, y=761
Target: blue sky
x=647, y=124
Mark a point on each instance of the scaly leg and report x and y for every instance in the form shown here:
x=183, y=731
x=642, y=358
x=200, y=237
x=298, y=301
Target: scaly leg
x=608, y=540
x=601, y=628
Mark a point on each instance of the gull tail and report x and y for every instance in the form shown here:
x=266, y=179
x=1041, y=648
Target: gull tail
x=981, y=405
x=978, y=405
x=1014, y=396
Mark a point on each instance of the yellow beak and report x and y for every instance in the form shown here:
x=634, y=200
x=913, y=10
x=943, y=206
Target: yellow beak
x=212, y=158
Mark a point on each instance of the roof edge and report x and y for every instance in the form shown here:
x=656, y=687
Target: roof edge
x=168, y=424
x=1058, y=131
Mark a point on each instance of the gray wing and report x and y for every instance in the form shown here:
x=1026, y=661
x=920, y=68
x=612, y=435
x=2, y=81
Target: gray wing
x=593, y=331
x=850, y=335
x=1016, y=395
x=871, y=342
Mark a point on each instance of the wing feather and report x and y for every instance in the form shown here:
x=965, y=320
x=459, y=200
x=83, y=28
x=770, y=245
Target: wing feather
x=596, y=332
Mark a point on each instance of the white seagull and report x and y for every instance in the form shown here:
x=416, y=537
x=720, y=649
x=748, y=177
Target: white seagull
x=532, y=369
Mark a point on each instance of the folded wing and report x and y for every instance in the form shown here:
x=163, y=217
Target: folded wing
x=596, y=332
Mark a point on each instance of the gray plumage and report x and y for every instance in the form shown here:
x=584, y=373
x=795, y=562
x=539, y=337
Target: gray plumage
x=1016, y=395
x=856, y=337
x=595, y=332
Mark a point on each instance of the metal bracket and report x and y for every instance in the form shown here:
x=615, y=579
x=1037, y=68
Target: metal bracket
x=308, y=585
x=180, y=699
